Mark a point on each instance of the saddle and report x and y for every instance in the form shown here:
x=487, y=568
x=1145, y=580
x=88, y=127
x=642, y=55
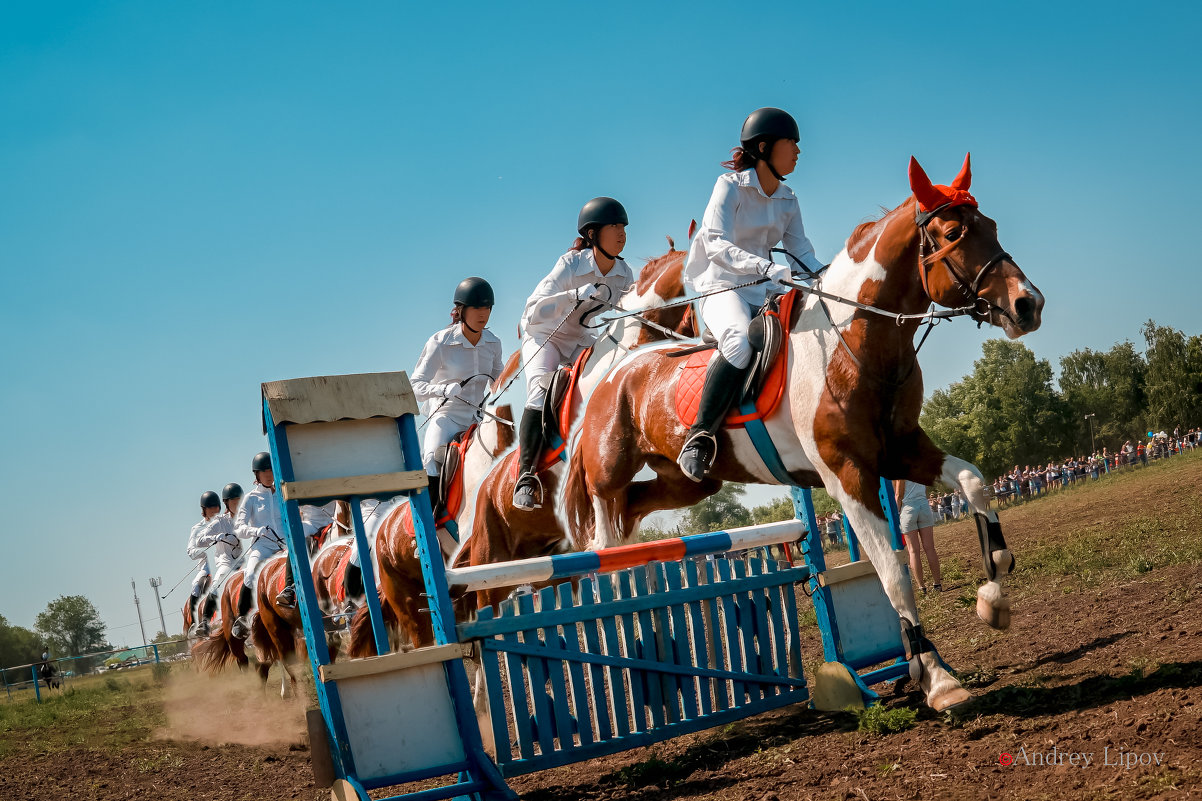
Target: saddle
x=450, y=482
x=765, y=380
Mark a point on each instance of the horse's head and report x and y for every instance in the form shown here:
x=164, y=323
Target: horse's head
x=661, y=280
x=961, y=261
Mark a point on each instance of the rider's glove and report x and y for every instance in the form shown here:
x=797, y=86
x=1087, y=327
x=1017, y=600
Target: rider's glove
x=587, y=292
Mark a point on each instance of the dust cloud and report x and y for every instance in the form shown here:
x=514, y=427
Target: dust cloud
x=231, y=708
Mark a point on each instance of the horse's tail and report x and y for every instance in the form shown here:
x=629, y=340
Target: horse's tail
x=575, y=507
x=265, y=647
x=213, y=653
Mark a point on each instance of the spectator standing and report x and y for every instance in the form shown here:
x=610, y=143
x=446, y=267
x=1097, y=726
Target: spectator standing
x=917, y=526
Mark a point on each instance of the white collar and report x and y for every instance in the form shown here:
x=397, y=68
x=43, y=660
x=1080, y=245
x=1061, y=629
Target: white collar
x=750, y=178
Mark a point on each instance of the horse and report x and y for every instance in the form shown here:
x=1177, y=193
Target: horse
x=213, y=653
x=399, y=572
x=503, y=533
x=48, y=673
x=850, y=413
x=276, y=631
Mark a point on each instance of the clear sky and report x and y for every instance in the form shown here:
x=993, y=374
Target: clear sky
x=196, y=198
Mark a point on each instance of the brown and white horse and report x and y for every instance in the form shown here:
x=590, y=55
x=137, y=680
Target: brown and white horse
x=213, y=653
x=398, y=569
x=503, y=533
x=850, y=412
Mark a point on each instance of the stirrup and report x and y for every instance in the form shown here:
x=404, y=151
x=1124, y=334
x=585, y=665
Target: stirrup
x=240, y=630
x=524, y=497
x=693, y=460
x=286, y=598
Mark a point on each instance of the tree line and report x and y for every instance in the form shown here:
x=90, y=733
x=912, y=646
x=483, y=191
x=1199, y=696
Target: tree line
x=1013, y=409
x=70, y=626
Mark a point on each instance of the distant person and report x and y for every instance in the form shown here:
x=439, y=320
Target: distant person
x=258, y=520
x=917, y=527
x=220, y=533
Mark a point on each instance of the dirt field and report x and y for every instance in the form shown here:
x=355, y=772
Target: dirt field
x=1104, y=659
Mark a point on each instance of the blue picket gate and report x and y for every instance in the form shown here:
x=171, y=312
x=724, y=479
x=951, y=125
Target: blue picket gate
x=638, y=656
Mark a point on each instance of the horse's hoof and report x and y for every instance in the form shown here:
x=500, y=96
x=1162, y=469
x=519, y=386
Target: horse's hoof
x=950, y=700
x=995, y=612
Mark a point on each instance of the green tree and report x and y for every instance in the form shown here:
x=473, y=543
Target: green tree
x=1007, y=412
x=18, y=645
x=1174, y=376
x=1109, y=385
x=782, y=508
x=719, y=511
x=71, y=625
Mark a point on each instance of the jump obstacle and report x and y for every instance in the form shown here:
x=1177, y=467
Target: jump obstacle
x=633, y=645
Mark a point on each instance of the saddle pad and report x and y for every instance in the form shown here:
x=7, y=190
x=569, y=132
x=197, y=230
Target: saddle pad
x=340, y=576
x=692, y=380
x=452, y=482
x=552, y=455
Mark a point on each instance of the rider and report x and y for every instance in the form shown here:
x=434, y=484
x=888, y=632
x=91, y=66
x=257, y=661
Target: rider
x=553, y=322
x=750, y=211
x=220, y=532
x=453, y=374
x=258, y=519
x=209, y=508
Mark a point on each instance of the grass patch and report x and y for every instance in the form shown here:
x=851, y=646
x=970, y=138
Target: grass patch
x=878, y=720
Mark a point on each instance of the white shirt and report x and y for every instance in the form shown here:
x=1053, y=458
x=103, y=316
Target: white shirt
x=555, y=298
x=196, y=550
x=740, y=227
x=449, y=357
x=219, y=531
x=259, y=516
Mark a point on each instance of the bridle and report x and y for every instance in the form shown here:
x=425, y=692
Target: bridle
x=972, y=291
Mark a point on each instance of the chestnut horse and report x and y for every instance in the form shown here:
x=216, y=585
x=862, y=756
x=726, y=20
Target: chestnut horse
x=213, y=653
x=398, y=569
x=502, y=533
x=850, y=412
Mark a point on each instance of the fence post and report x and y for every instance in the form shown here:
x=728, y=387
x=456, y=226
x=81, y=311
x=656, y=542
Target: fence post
x=37, y=692
x=156, y=653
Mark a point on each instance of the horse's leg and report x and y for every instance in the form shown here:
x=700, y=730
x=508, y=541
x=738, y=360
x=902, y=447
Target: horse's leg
x=927, y=462
x=856, y=492
x=992, y=604
x=671, y=489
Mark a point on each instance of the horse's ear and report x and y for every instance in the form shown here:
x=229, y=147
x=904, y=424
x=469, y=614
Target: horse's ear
x=927, y=196
x=964, y=179
x=692, y=228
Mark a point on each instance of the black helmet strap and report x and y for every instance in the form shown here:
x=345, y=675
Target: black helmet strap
x=594, y=241
x=768, y=145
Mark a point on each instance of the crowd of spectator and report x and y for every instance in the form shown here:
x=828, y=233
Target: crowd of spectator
x=1029, y=481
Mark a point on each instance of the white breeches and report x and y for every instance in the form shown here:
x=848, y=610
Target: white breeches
x=440, y=429
x=224, y=562
x=261, y=549
x=727, y=317
x=540, y=363
x=202, y=572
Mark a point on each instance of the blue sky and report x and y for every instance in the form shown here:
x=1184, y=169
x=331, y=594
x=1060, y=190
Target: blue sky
x=195, y=198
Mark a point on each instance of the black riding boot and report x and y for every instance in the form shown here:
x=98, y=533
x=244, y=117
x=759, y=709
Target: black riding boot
x=528, y=493
x=723, y=382
x=206, y=611
x=353, y=581
x=241, y=627
x=435, y=490
x=287, y=596
x=192, y=606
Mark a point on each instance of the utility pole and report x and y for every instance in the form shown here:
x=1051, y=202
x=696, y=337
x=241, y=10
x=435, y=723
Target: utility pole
x=138, y=606
x=1089, y=417
x=155, y=583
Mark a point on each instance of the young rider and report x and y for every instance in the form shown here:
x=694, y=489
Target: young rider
x=553, y=332
x=453, y=374
x=209, y=507
x=220, y=532
x=258, y=520
x=750, y=211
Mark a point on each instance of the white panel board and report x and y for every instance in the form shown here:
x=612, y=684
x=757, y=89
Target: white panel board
x=345, y=448
x=400, y=721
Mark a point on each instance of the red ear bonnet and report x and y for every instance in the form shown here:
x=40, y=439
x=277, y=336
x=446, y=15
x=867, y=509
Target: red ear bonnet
x=932, y=196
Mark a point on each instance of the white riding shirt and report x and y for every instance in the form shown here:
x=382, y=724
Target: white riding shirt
x=555, y=297
x=450, y=358
x=740, y=227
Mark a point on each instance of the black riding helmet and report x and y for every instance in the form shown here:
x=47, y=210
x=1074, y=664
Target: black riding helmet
x=601, y=211
x=475, y=292
x=262, y=461
x=231, y=490
x=209, y=500
x=767, y=125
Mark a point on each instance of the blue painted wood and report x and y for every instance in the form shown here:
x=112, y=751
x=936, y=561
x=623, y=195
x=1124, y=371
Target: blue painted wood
x=639, y=694
x=892, y=516
x=561, y=703
x=368, y=570
x=776, y=624
x=699, y=639
x=760, y=624
x=746, y=620
x=516, y=673
x=715, y=648
x=682, y=645
x=658, y=697
x=536, y=670
x=521, y=767
x=571, y=642
x=618, y=701
x=664, y=643
x=490, y=663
